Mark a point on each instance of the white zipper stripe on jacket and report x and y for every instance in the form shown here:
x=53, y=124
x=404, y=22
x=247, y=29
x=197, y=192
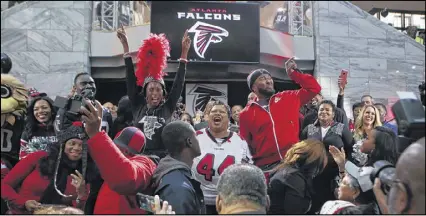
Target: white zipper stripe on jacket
x=273, y=127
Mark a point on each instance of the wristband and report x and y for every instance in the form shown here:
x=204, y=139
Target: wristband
x=127, y=54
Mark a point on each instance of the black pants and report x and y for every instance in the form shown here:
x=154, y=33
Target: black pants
x=211, y=210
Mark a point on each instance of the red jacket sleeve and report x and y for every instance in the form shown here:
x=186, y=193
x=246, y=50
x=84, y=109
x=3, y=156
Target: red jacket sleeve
x=14, y=178
x=244, y=127
x=310, y=86
x=123, y=175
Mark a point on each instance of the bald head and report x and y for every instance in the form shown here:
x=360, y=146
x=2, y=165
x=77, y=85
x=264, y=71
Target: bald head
x=410, y=169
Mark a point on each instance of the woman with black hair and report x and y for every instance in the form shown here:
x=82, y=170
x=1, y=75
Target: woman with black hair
x=124, y=116
x=331, y=133
x=186, y=117
x=381, y=144
x=45, y=177
x=39, y=132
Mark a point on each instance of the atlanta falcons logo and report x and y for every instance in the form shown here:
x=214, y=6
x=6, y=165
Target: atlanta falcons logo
x=204, y=94
x=206, y=34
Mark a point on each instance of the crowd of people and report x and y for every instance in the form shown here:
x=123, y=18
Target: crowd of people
x=287, y=152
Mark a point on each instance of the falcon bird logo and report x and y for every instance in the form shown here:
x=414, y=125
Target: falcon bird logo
x=203, y=94
x=205, y=34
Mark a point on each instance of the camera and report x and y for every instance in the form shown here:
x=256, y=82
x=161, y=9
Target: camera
x=410, y=118
x=385, y=171
x=72, y=105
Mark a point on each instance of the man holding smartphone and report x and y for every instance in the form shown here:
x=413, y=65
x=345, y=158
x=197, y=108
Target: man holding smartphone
x=270, y=124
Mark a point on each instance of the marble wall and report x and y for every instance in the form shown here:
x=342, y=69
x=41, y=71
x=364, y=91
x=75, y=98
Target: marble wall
x=48, y=42
x=380, y=59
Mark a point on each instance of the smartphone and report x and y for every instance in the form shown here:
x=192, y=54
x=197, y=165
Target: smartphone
x=146, y=202
x=343, y=77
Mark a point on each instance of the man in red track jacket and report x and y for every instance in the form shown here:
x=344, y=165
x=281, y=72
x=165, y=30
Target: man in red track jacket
x=270, y=124
x=124, y=173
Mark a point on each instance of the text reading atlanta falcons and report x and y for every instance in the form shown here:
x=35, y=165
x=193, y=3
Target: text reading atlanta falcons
x=208, y=14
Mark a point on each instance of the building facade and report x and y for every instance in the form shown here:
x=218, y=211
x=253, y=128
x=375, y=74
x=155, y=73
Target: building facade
x=49, y=42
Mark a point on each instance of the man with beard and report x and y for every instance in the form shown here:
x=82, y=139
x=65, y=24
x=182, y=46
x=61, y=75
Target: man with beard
x=83, y=84
x=220, y=148
x=312, y=115
x=271, y=123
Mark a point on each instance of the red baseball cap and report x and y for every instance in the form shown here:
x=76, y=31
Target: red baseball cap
x=131, y=138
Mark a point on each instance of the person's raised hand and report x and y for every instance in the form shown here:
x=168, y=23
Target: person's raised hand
x=186, y=45
x=92, y=117
x=290, y=66
x=338, y=156
x=162, y=210
x=121, y=34
x=79, y=184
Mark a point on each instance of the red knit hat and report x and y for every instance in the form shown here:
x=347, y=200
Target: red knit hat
x=131, y=138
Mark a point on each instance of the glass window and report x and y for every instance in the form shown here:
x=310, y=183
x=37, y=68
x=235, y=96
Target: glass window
x=417, y=20
x=393, y=18
x=407, y=20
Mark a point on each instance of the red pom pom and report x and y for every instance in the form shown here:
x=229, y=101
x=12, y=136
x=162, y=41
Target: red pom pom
x=77, y=124
x=152, y=58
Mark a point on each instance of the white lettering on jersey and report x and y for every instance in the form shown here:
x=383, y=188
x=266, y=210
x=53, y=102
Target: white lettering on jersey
x=215, y=158
x=6, y=140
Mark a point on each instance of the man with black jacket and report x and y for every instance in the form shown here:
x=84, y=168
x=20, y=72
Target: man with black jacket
x=82, y=82
x=173, y=177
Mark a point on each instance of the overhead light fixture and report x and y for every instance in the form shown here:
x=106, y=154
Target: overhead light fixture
x=384, y=12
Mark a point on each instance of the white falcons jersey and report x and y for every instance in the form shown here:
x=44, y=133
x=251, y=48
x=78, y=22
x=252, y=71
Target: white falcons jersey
x=216, y=155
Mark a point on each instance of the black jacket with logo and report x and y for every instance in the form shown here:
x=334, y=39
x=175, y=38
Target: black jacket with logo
x=174, y=183
x=152, y=121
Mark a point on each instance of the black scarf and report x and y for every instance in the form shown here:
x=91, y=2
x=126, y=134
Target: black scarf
x=66, y=167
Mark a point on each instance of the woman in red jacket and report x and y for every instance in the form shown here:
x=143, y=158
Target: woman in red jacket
x=38, y=178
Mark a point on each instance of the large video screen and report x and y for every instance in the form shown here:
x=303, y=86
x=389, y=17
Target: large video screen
x=220, y=32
